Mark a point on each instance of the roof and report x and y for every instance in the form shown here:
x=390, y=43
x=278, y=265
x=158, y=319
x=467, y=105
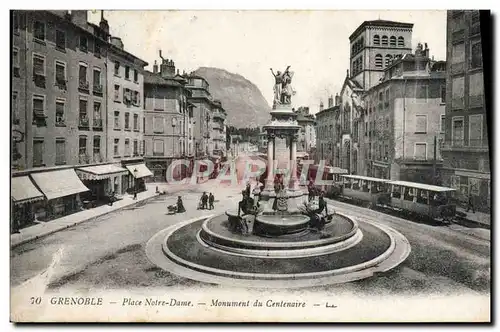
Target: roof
x=156, y=79
x=326, y=110
x=380, y=23
x=366, y=178
x=422, y=186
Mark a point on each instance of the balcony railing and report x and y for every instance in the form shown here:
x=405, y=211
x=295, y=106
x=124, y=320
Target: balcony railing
x=83, y=85
x=97, y=89
x=475, y=30
x=97, y=123
x=83, y=122
x=98, y=158
x=83, y=158
x=479, y=145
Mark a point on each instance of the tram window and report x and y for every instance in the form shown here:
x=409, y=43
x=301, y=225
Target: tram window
x=355, y=185
x=422, y=197
x=396, y=192
x=366, y=187
x=347, y=183
x=408, y=194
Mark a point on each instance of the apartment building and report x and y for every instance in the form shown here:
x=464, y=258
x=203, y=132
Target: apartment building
x=465, y=147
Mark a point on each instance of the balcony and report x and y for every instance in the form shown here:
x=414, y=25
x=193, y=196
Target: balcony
x=83, y=86
x=83, y=158
x=97, y=89
x=83, y=123
x=98, y=158
x=39, y=80
x=39, y=118
x=219, y=115
x=97, y=124
x=60, y=122
x=458, y=36
x=475, y=30
x=473, y=145
x=61, y=83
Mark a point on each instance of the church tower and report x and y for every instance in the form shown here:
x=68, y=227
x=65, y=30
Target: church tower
x=373, y=46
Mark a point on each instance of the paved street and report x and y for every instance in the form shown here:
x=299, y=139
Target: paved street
x=109, y=252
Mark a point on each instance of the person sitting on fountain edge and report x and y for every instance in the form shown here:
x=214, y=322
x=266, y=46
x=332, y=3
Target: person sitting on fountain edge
x=320, y=219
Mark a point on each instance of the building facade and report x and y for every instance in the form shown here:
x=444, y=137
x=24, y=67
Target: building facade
x=124, y=142
x=307, y=133
x=202, y=122
x=400, y=123
x=60, y=115
x=169, y=121
x=219, y=133
x=465, y=147
x=325, y=131
x=58, y=89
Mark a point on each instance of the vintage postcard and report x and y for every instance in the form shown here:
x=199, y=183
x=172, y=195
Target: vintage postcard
x=250, y=166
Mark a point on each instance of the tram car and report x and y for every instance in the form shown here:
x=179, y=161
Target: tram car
x=425, y=200
x=365, y=190
x=331, y=175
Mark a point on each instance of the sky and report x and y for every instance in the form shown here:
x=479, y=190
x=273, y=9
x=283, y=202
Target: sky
x=314, y=43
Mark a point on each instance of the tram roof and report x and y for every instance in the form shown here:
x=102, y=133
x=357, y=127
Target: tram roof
x=366, y=178
x=422, y=186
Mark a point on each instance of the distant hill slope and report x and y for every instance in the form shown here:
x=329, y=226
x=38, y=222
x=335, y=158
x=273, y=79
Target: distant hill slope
x=243, y=101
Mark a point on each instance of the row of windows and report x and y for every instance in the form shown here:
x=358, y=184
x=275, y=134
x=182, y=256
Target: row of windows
x=84, y=155
x=117, y=72
x=129, y=96
x=386, y=41
x=40, y=35
x=458, y=55
x=159, y=147
x=127, y=152
x=475, y=91
x=475, y=130
x=379, y=60
x=118, y=123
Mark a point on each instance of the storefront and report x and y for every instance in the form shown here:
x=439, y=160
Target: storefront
x=62, y=190
x=139, y=173
x=23, y=195
x=102, y=180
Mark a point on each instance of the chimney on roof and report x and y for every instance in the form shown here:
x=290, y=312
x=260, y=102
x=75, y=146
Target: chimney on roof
x=337, y=100
x=103, y=24
x=79, y=17
x=330, y=101
x=321, y=105
x=155, y=68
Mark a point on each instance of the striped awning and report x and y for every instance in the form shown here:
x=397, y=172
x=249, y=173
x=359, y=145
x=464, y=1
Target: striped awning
x=22, y=191
x=139, y=171
x=60, y=183
x=100, y=172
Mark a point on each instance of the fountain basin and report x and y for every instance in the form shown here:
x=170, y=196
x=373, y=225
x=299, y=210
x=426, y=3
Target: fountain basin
x=276, y=224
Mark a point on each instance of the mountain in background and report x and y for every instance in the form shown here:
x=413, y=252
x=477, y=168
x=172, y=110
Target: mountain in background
x=245, y=105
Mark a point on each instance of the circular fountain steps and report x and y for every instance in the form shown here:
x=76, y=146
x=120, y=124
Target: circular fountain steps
x=180, y=250
x=344, y=233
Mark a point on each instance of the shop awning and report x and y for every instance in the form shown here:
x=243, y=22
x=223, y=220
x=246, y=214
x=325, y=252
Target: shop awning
x=22, y=190
x=57, y=184
x=100, y=172
x=142, y=171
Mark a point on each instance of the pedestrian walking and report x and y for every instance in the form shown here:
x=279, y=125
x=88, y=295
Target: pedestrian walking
x=211, y=199
x=204, y=200
x=135, y=195
x=470, y=204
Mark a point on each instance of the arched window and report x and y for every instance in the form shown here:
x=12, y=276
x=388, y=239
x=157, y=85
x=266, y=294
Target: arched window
x=401, y=42
x=388, y=60
x=385, y=41
x=393, y=41
x=376, y=40
x=378, y=61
